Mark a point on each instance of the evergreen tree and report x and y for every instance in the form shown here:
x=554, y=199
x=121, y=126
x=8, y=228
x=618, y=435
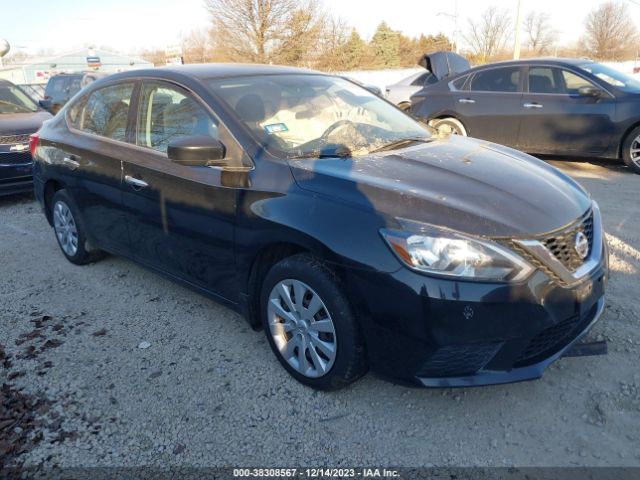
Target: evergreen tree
x=386, y=45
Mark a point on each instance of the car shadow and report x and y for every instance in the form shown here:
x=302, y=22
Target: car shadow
x=16, y=198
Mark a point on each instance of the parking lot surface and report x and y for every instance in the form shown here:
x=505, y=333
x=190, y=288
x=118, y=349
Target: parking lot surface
x=131, y=369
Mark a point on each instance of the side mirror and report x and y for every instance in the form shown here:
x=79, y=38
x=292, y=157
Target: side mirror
x=197, y=151
x=588, y=91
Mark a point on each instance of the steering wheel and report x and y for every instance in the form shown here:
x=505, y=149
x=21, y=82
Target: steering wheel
x=332, y=128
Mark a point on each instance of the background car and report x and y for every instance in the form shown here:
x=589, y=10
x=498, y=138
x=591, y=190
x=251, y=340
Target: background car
x=443, y=63
x=20, y=116
x=60, y=88
x=329, y=218
x=545, y=106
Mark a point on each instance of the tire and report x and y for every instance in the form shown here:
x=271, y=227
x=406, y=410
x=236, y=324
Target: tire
x=632, y=142
x=405, y=106
x=70, y=231
x=300, y=342
x=449, y=126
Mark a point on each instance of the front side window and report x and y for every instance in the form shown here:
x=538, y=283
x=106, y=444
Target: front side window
x=573, y=83
x=14, y=100
x=496, y=80
x=104, y=112
x=314, y=115
x=613, y=77
x=543, y=80
x=166, y=113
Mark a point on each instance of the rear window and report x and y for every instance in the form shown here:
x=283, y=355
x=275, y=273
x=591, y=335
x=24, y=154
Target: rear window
x=496, y=80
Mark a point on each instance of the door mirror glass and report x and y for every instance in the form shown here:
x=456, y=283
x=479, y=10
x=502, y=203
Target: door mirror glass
x=589, y=91
x=197, y=151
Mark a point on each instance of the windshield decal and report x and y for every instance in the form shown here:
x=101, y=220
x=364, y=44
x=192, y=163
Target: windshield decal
x=275, y=128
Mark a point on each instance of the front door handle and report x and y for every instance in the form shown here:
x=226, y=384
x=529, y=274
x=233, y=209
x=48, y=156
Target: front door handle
x=467, y=100
x=70, y=163
x=136, y=183
x=532, y=105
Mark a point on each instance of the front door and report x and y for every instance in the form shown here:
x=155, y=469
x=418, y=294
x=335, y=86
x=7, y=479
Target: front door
x=490, y=105
x=557, y=119
x=180, y=218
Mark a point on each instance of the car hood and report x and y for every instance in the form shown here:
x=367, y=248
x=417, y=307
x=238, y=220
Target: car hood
x=444, y=64
x=22, y=123
x=464, y=184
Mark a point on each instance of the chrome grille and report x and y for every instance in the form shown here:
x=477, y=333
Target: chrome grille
x=562, y=244
x=12, y=139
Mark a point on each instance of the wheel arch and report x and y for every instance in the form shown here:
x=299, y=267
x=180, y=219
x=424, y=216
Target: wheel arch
x=50, y=189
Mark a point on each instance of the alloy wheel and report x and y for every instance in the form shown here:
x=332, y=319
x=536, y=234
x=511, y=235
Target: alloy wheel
x=634, y=150
x=65, y=228
x=302, y=328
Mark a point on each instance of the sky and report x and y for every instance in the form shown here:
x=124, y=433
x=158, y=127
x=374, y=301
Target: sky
x=130, y=25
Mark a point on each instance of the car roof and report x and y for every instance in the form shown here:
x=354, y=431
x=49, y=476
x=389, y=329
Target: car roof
x=207, y=71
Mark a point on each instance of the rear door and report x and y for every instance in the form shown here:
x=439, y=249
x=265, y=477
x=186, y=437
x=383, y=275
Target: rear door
x=180, y=218
x=557, y=119
x=86, y=159
x=489, y=104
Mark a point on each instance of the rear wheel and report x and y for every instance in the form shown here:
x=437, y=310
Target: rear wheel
x=404, y=106
x=309, y=324
x=631, y=150
x=449, y=126
x=70, y=231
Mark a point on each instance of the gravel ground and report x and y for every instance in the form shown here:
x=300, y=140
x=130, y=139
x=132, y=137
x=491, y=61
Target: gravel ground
x=207, y=391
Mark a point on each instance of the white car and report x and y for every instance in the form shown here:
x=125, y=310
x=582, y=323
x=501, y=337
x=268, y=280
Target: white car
x=400, y=93
x=438, y=65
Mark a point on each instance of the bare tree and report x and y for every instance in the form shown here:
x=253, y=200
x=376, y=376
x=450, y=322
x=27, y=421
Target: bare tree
x=196, y=46
x=488, y=34
x=610, y=32
x=541, y=36
x=258, y=30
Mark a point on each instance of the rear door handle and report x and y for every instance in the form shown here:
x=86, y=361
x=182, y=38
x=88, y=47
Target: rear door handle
x=71, y=162
x=136, y=183
x=532, y=105
x=467, y=100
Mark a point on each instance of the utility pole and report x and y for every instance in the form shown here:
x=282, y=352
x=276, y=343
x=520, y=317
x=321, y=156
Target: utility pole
x=516, y=47
x=454, y=17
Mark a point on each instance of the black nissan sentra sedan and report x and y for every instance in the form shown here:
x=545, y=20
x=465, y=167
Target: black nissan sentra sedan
x=330, y=218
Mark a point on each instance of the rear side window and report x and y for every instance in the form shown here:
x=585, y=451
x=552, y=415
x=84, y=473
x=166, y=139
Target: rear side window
x=425, y=79
x=103, y=112
x=504, y=79
x=55, y=87
x=459, y=83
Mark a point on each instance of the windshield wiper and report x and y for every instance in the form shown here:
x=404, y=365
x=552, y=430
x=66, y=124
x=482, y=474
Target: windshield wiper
x=402, y=142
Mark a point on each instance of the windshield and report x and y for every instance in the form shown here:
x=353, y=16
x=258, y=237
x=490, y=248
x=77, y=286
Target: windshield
x=316, y=115
x=613, y=77
x=14, y=100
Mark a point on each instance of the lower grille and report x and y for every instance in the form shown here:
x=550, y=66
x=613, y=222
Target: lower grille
x=552, y=339
x=457, y=360
x=15, y=158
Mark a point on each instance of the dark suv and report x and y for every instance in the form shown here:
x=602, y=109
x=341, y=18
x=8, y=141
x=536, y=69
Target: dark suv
x=20, y=116
x=60, y=88
x=330, y=218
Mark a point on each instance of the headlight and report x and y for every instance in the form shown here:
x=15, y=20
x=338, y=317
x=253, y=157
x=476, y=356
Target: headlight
x=440, y=251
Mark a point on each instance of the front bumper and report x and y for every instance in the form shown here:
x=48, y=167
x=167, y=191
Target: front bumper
x=16, y=172
x=438, y=332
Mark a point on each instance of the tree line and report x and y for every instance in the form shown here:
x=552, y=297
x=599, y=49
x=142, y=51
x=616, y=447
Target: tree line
x=302, y=33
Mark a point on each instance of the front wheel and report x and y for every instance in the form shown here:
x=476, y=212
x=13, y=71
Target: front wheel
x=309, y=324
x=631, y=150
x=70, y=231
